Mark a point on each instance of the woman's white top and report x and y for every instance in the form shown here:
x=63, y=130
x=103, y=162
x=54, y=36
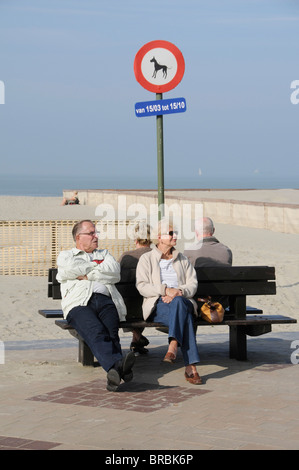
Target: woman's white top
x=168, y=274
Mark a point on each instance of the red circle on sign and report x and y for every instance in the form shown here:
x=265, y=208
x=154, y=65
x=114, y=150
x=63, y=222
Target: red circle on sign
x=142, y=80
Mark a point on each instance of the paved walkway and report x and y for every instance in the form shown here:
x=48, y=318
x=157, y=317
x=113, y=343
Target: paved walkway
x=49, y=401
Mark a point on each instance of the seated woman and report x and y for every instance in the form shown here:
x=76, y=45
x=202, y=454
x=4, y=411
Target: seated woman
x=141, y=234
x=167, y=281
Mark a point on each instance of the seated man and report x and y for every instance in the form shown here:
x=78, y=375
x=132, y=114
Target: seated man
x=72, y=200
x=208, y=251
x=91, y=303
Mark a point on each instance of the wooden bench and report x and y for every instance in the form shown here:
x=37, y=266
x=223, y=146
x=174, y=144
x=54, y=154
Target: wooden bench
x=235, y=282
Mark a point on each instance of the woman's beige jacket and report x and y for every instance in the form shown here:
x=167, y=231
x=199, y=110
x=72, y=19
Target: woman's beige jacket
x=148, y=279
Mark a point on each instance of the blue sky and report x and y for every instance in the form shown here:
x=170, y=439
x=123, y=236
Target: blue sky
x=70, y=89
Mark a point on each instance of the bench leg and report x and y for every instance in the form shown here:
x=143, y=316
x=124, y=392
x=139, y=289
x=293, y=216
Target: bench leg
x=85, y=355
x=237, y=343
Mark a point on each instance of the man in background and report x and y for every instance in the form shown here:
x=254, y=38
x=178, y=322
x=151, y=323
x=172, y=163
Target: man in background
x=208, y=251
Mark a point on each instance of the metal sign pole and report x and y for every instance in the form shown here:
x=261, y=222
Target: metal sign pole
x=160, y=161
x=170, y=58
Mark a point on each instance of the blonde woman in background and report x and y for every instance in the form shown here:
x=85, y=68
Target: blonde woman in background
x=141, y=234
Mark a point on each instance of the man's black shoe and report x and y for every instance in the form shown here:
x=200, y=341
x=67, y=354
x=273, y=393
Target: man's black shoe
x=127, y=364
x=121, y=370
x=113, y=380
x=124, y=367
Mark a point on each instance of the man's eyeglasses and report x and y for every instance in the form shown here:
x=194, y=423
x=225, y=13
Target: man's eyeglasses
x=90, y=234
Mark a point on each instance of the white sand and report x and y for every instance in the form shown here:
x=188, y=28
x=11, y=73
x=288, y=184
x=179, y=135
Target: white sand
x=49, y=208
x=21, y=297
x=41, y=208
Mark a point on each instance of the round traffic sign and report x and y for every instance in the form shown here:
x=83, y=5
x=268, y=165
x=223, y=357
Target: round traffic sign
x=159, y=66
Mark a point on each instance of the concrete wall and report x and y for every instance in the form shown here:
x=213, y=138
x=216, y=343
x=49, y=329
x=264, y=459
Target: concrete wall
x=277, y=217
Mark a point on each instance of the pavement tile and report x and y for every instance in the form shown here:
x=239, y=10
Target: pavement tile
x=14, y=443
x=242, y=405
x=142, y=397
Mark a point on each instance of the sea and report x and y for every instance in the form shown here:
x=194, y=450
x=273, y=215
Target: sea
x=53, y=186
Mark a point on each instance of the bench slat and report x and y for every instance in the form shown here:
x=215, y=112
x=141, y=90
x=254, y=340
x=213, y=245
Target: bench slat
x=219, y=273
x=235, y=273
x=249, y=320
x=51, y=313
x=57, y=313
x=236, y=288
x=206, y=289
x=265, y=319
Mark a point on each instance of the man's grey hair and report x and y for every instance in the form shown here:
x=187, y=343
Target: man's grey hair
x=78, y=226
x=204, y=226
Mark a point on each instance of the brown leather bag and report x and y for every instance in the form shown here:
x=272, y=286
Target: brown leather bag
x=212, y=312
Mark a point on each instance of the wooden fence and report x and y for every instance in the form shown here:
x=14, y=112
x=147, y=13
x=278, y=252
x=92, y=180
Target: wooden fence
x=30, y=248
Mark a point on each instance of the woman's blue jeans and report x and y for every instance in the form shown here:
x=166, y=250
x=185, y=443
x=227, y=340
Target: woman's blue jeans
x=97, y=323
x=178, y=316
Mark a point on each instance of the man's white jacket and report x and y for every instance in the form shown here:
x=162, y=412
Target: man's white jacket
x=74, y=292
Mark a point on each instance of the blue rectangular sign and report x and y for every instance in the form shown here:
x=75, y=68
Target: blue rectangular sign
x=158, y=107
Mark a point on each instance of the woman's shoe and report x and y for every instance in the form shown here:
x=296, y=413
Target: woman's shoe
x=143, y=341
x=137, y=347
x=193, y=379
x=169, y=357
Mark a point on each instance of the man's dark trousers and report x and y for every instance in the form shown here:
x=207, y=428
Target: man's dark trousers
x=97, y=323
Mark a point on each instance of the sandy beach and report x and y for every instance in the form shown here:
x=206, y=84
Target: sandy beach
x=22, y=296
x=49, y=208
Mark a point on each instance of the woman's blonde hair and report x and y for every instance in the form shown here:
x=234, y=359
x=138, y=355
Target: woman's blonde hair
x=141, y=233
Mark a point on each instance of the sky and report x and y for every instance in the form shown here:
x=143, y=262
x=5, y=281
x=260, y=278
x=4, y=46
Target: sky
x=67, y=68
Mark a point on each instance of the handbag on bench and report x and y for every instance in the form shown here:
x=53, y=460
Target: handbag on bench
x=212, y=312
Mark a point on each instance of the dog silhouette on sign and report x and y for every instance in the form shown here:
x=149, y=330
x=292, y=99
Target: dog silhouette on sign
x=158, y=67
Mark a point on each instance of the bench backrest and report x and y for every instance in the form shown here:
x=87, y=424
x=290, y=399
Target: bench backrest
x=236, y=282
